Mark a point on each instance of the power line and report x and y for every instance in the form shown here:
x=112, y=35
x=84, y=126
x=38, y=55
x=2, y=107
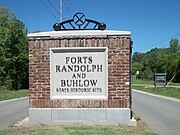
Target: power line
x=49, y=10
x=67, y=8
x=60, y=11
x=53, y=6
x=166, y=39
x=161, y=41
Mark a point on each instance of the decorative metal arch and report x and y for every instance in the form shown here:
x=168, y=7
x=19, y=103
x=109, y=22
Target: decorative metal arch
x=79, y=22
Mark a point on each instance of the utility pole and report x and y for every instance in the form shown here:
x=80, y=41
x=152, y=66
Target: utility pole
x=61, y=11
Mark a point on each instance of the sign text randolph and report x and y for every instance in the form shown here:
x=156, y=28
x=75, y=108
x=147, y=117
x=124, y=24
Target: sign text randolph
x=78, y=73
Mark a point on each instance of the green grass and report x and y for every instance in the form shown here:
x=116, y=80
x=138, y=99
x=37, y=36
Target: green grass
x=164, y=91
x=148, y=82
x=141, y=129
x=5, y=94
x=140, y=81
x=174, y=84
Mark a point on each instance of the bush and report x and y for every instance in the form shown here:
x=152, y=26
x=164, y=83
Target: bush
x=147, y=74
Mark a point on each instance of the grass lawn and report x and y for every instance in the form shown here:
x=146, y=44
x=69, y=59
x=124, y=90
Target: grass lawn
x=175, y=84
x=164, y=91
x=140, y=81
x=148, y=82
x=141, y=129
x=5, y=95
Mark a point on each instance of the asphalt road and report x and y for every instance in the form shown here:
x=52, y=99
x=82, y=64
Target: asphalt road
x=161, y=115
x=13, y=111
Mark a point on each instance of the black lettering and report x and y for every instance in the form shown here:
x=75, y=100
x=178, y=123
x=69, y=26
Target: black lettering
x=70, y=68
x=83, y=75
x=75, y=83
x=88, y=69
x=63, y=83
x=86, y=83
x=67, y=60
x=57, y=89
x=76, y=68
x=73, y=60
x=79, y=60
x=58, y=68
x=80, y=84
x=69, y=83
x=99, y=90
x=79, y=68
x=90, y=60
x=64, y=69
x=93, y=82
x=99, y=68
x=85, y=60
x=93, y=68
x=83, y=68
x=78, y=75
x=74, y=76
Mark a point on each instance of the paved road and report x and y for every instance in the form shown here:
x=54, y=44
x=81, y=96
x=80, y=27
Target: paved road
x=161, y=115
x=13, y=111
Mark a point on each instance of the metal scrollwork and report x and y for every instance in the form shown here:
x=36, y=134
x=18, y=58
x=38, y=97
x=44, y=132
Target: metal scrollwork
x=79, y=22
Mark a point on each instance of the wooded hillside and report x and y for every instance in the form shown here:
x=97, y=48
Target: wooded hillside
x=159, y=60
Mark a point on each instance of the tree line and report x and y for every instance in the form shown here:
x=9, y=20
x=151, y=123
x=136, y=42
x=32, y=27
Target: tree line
x=159, y=60
x=13, y=52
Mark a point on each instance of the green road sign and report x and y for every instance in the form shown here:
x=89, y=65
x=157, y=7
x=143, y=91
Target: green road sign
x=160, y=78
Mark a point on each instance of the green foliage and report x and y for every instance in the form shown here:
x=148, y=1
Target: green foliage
x=137, y=57
x=6, y=95
x=137, y=67
x=174, y=45
x=13, y=51
x=147, y=74
x=159, y=60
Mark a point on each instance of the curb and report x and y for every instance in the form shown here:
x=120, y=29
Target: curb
x=169, y=98
x=13, y=99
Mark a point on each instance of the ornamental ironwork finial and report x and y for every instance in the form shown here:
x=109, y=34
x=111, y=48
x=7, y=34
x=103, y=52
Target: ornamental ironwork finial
x=79, y=22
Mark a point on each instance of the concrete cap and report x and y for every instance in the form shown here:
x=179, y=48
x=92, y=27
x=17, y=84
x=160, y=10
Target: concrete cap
x=78, y=33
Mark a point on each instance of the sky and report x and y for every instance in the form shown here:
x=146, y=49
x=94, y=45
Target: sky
x=152, y=23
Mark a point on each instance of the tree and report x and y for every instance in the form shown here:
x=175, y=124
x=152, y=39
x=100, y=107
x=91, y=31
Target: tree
x=147, y=74
x=137, y=57
x=150, y=59
x=159, y=60
x=177, y=78
x=136, y=67
x=174, y=44
x=13, y=51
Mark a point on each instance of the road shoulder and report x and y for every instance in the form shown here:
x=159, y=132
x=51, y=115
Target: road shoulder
x=169, y=98
x=15, y=99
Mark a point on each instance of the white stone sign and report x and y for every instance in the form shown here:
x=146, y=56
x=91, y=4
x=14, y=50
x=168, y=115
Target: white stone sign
x=79, y=73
